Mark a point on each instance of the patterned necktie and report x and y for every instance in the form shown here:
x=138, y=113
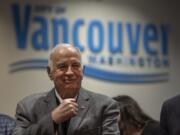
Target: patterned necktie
x=64, y=124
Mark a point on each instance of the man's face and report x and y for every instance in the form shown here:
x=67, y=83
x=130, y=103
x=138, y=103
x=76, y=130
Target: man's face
x=67, y=72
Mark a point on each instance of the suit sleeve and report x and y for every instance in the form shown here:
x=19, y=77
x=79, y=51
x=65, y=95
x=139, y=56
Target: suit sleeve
x=163, y=118
x=110, y=119
x=25, y=124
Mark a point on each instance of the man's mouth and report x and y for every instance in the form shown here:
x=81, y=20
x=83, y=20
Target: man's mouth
x=69, y=80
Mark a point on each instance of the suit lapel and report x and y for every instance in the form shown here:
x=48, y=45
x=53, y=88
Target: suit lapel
x=83, y=106
x=51, y=105
x=50, y=99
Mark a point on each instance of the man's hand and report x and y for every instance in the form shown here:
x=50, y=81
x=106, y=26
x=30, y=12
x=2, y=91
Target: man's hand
x=67, y=109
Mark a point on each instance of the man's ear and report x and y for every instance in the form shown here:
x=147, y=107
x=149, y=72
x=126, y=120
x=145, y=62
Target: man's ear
x=48, y=69
x=83, y=68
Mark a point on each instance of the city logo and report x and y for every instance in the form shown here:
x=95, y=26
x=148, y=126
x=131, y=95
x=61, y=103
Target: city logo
x=112, y=50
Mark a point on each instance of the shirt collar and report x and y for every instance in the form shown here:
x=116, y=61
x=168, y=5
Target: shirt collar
x=59, y=97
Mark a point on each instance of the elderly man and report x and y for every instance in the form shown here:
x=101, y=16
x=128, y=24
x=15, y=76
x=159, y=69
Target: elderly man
x=67, y=109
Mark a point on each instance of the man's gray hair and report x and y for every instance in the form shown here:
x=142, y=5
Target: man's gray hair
x=51, y=52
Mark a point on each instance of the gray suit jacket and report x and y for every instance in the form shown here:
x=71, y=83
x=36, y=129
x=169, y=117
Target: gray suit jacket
x=170, y=116
x=97, y=115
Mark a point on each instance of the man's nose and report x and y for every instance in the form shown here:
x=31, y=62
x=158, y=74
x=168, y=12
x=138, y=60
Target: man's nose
x=69, y=70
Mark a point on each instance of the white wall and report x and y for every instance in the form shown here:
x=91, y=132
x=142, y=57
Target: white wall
x=14, y=87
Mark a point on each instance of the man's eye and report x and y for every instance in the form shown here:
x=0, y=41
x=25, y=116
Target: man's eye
x=62, y=66
x=76, y=65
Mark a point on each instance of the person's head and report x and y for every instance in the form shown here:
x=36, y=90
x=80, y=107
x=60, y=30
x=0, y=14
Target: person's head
x=65, y=69
x=131, y=115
